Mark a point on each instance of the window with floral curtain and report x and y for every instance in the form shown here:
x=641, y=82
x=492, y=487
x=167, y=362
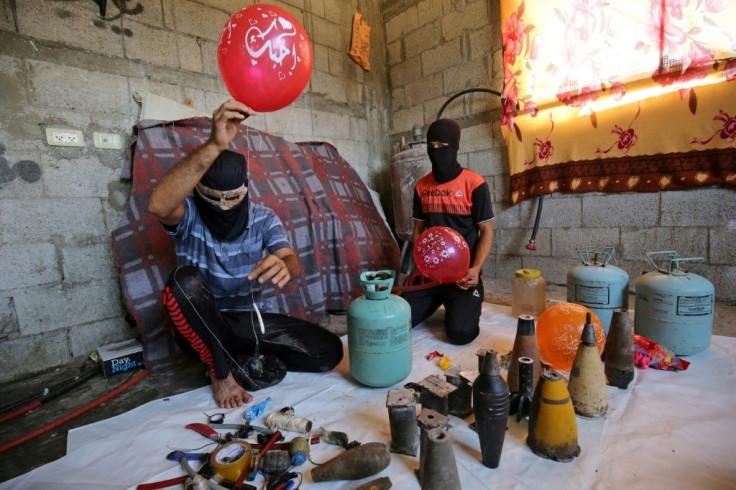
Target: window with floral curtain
x=619, y=96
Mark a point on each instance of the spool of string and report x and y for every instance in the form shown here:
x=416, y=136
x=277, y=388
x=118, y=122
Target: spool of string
x=298, y=450
x=286, y=420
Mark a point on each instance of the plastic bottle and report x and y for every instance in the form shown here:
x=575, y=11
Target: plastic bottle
x=528, y=293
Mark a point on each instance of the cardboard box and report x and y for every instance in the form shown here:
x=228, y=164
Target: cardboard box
x=120, y=357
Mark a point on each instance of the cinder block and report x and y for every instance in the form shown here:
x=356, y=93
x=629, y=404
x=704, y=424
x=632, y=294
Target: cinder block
x=513, y=241
x=562, y=212
x=425, y=37
x=198, y=20
x=47, y=308
x=723, y=278
x=566, y=242
x=65, y=219
x=455, y=110
x=723, y=245
x=332, y=87
x=208, y=50
x=466, y=76
x=340, y=65
x=487, y=162
x=290, y=121
x=405, y=119
x=640, y=210
x=359, y=129
x=502, y=267
x=29, y=264
x=395, y=55
x=473, y=17
x=428, y=10
x=77, y=177
x=8, y=320
x=14, y=92
x=335, y=125
x=81, y=90
x=7, y=23
x=442, y=57
x=405, y=22
x=329, y=34
x=88, y=262
x=423, y=89
x=151, y=44
x=25, y=355
x=687, y=242
x=701, y=207
x=227, y=6
x=483, y=41
x=505, y=216
x=86, y=338
x=340, y=13
x=405, y=72
x=76, y=24
x=476, y=138
x=317, y=7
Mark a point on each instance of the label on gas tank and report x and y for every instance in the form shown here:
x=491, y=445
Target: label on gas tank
x=391, y=336
x=695, y=305
x=592, y=294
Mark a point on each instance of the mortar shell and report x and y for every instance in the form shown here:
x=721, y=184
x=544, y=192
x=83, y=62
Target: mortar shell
x=525, y=345
x=440, y=468
x=553, y=430
x=587, y=386
x=619, y=353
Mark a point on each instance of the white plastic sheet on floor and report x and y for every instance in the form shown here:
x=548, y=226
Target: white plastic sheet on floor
x=667, y=430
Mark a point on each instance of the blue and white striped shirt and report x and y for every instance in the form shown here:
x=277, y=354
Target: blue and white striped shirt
x=226, y=265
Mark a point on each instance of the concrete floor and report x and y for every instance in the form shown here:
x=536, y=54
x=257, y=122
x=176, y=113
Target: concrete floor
x=52, y=444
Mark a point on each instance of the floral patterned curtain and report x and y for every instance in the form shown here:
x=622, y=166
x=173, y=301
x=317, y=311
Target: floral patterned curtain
x=619, y=95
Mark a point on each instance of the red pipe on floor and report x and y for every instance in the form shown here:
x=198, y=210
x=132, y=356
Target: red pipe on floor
x=73, y=414
x=19, y=411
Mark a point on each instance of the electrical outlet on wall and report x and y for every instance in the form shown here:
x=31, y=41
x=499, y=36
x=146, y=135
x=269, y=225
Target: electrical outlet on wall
x=110, y=141
x=64, y=137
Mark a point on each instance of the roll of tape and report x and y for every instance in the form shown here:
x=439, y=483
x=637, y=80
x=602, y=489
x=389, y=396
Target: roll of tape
x=231, y=460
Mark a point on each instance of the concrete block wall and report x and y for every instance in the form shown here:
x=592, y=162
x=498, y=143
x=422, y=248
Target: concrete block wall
x=437, y=48
x=62, y=65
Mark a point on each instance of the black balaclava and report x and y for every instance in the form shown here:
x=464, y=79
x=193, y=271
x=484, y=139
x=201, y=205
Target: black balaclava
x=229, y=172
x=444, y=160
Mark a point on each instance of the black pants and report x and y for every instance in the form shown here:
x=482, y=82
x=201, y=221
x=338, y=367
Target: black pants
x=212, y=336
x=462, y=309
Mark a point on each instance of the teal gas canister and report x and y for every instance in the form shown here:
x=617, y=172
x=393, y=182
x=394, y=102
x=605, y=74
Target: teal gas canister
x=674, y=307
x=379, y=332
x=598, y=285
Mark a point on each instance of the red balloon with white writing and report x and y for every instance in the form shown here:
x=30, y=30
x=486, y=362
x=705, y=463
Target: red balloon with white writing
x=442, y=254
x=265, y=57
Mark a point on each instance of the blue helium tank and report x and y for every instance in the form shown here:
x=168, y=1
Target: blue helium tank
x=598, y=285
x=674, y=307
x=379, y=332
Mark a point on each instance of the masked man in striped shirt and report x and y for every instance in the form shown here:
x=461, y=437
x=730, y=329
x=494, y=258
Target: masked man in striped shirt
x=226, y=248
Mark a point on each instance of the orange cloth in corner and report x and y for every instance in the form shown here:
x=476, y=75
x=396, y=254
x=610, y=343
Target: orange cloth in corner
x=360, y=46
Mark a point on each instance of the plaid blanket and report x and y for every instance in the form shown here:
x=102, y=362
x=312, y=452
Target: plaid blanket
x=326, y=209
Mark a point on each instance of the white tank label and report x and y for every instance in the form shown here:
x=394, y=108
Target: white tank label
x=695, y=305
x=591, y=294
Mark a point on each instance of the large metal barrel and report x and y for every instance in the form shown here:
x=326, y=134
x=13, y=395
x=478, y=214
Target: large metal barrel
x=407, y=167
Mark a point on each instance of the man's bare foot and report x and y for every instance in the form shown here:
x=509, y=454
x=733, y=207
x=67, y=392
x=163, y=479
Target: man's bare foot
x=228, y=393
